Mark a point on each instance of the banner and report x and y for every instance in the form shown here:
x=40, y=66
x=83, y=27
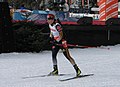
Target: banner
x=108, y=9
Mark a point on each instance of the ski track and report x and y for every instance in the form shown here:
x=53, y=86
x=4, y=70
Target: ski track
x=103, y=63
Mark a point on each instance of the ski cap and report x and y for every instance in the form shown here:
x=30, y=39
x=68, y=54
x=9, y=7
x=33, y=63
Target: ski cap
x=50, y=16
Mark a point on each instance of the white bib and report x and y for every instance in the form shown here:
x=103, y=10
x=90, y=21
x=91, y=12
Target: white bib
x=55, y=32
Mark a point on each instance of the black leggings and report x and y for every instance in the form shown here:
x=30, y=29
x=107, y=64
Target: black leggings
x=66, y=53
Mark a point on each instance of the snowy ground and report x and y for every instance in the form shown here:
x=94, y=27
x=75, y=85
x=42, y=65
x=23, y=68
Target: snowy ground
x=103, y=63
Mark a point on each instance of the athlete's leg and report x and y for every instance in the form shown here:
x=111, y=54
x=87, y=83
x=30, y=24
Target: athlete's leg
x=55, y=50
x=67, y=55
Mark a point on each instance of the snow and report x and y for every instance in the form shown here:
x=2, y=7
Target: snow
x=104, y=63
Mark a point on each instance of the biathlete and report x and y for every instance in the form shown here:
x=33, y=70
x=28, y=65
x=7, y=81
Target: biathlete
x=58, y=42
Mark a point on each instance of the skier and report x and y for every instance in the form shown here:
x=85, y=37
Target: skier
x=58, y=42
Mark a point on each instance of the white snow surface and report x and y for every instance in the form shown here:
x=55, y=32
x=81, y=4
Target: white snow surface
x=104, y=63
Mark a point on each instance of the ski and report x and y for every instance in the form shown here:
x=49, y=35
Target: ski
x=76, y=77
x=54, y=75
x=37, y=76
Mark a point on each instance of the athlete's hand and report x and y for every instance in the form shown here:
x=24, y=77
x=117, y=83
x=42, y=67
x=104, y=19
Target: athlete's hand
x=64, y=43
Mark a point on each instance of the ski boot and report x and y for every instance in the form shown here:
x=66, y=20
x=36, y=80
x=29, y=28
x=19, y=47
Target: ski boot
x=78, y=71
x=54, y=72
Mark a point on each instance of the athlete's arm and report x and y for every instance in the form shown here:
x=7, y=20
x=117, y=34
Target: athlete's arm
x=61, y=34
x=59, y=28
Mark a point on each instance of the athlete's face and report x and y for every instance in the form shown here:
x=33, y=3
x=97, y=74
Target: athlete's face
x=50, y=21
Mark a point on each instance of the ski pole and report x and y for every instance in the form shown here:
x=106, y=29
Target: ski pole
x=79, y=46
x=87, y=46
